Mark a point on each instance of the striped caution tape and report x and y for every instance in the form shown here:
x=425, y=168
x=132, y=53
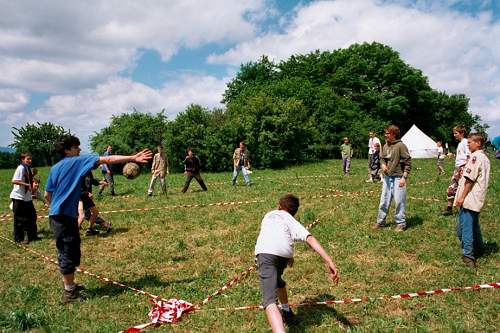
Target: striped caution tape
x=492, y=285
x=79, y=270
x=215, y=204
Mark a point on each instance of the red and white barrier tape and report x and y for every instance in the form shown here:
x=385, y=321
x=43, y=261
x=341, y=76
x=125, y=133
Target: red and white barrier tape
x=492, y=285
x=163, y=312
x=216, y=204
x=97, y=276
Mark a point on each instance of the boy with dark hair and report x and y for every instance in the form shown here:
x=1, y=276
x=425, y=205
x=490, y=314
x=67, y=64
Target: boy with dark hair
x=87, y=209
x=192, y=170
x=461, y=158
x=241, y=162
x=63, y=193
x=396, y=165
x=22, y=202
x=374, y=165
x=470, y=197
x=274, y=251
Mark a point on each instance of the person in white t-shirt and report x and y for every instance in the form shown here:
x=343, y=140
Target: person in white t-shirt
x=460, y=160
x=22, y=203
x=440, y=158
x=274, y=251
x=373, y=141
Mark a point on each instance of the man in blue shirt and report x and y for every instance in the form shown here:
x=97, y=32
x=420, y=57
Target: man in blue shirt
x=63, y=193
x=107, y=173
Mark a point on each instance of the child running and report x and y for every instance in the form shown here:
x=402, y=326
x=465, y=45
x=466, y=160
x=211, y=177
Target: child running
x=274, y=251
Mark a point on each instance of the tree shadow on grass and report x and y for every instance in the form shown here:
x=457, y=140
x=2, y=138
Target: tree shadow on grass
x=311, y=316
x=143, y=282
x=413, y=221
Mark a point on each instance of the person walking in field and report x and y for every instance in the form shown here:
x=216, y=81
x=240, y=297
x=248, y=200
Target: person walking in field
x=460, y=160
x=241, y=162
x=192, y=170
x=107, y=172
x=440, y=158
x=274, y=251
x=346, y=151
x=159, y=169
x=372, y=142
x=470, y=197
x=62, y=193
x=396, y=166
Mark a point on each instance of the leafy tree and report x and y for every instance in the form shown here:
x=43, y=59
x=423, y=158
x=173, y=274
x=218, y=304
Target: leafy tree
x=130, y=132
x=39, y=140
x=8, y=160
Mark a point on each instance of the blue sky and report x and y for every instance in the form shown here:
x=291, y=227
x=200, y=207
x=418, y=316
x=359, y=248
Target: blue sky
x=77, y=65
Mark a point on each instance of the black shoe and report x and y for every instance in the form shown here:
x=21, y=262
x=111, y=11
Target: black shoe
x=447, y=212
x=289, y=317
x=150, y=194
x=469, y=262
x=91, y=232
x=74, y=295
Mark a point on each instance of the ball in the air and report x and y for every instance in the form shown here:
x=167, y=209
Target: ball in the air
x=131, y=170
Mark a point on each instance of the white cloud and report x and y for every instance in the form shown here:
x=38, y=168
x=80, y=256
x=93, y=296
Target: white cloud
x=458, y=52
x=92, y=109
x=60, y=47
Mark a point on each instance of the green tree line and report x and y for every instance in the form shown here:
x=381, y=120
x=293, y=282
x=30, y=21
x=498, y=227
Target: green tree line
x=297, y=110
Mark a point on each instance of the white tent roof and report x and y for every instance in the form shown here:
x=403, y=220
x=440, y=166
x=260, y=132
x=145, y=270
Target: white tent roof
x=419, y=144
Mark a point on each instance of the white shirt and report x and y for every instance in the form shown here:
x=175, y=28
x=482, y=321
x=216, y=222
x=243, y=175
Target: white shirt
x=20, y=192
x=371, y=144
x=462, y=153
x=278, y=231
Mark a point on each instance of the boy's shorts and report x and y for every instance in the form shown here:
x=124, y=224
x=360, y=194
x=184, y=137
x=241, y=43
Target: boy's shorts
x=440, y=162
x=270, y=268
x=67, y=236
x=87, y=202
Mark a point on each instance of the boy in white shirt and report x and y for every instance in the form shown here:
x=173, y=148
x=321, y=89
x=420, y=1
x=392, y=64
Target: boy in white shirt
x=460, y=160
x=274, y=251
x=470, y=198
x=22, y=203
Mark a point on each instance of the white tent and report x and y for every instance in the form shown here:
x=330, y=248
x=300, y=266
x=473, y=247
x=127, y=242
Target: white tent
x=419, y=144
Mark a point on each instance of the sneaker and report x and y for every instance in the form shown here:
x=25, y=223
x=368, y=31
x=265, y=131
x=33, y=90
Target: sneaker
x=369, y=180
x=400, y=227
x=91, y=232
x=289, y=317
x=150, y=194
x=469, y=262
x=74, y=295
x=447, y=212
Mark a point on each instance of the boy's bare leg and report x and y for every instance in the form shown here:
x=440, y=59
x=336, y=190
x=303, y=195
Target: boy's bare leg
x=69, y=279
x=274, y=318
x=282, y=295
x=93, y=216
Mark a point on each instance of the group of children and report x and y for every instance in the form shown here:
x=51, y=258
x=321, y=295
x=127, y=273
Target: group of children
x=70, y=181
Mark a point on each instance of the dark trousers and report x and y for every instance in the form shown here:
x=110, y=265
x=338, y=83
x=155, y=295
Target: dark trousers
x=24, y=220
x=67, y=236
x=198, y=178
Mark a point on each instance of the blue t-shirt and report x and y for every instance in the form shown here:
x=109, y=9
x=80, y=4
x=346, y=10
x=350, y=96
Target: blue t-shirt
x=64, y=183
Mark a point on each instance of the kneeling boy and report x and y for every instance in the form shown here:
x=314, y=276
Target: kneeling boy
x=274, y=251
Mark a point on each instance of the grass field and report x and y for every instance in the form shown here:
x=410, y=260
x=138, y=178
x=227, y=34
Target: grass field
x=188, y=253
